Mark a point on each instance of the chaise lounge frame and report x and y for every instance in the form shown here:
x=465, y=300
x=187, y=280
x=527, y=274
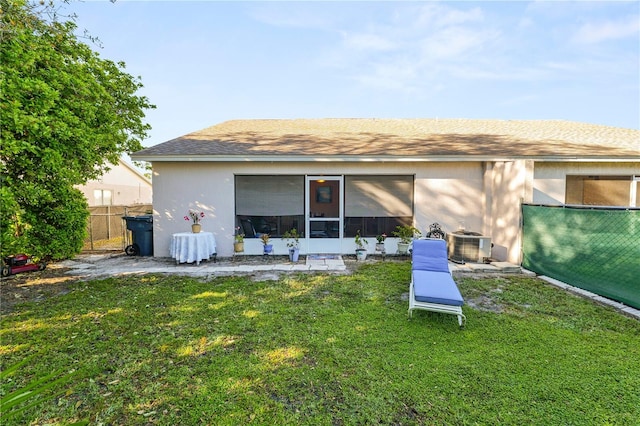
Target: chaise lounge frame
x=438, y=291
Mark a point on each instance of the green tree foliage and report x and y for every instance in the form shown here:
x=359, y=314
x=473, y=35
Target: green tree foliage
x=66, y=115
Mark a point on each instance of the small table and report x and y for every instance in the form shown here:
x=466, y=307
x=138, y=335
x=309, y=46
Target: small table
x=187, y=247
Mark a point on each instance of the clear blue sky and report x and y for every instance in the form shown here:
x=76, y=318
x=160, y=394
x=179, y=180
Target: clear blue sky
x=206, y=62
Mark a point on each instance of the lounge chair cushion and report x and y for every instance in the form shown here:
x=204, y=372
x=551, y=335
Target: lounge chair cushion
x=436, y=287
x=430, y=255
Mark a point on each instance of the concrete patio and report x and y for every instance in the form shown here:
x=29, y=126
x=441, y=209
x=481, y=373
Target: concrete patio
x=96, y=266
x=104, y=265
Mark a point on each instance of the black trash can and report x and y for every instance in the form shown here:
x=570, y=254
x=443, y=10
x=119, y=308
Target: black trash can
x=141, y=228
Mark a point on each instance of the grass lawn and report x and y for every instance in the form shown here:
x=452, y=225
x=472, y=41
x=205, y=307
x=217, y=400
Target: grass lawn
x=323, y=350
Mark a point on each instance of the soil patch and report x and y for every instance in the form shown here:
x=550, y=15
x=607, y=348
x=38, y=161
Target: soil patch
x=34, y=286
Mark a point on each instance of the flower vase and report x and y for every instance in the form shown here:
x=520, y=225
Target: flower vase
x=196, y=228
x=238, y=247
x=268, y=248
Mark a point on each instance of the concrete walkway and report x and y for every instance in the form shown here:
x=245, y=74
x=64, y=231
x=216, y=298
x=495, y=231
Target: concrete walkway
x=628, y=310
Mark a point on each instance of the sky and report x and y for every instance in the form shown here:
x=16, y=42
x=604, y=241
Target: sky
x=206, y=62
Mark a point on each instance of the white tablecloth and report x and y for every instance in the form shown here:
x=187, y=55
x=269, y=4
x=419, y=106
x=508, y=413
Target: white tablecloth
x=189, y=247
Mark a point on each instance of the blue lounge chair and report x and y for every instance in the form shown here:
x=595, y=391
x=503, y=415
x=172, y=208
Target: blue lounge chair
x=432, y=287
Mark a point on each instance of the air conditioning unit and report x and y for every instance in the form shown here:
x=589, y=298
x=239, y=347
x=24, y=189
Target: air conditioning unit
x=465, y=246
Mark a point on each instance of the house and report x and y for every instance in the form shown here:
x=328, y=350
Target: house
x=329, y=178
x=122, y=185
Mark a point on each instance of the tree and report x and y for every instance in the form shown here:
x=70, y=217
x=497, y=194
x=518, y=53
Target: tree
x=66, y=115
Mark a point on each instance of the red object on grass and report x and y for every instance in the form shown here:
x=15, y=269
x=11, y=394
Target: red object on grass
x=20, y=263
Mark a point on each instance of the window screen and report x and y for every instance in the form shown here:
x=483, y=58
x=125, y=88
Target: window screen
x=599, y=190
x=378, y=196
x=269, y=195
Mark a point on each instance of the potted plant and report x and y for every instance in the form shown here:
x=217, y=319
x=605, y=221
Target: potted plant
x=195, y=216
x=293, y=242
x=361, y=246
x=268, y=248
x=380, y=242
x=406, y=233
x=238, y=243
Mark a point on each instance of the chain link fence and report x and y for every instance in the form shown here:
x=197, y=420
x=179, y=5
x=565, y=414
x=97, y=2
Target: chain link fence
x=107, y=231
x=593, y=248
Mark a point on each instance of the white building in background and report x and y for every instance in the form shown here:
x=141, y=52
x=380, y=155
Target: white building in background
x=123, y=185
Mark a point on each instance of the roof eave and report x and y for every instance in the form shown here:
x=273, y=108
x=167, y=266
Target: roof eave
x=372, y=159
x=135, y=170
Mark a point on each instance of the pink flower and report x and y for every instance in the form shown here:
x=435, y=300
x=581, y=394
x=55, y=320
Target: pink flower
x=195, y=216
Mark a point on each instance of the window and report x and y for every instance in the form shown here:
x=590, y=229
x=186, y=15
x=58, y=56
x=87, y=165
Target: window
x=377, y=204
x=269, y=204
x=102, y=197
x=602, y=190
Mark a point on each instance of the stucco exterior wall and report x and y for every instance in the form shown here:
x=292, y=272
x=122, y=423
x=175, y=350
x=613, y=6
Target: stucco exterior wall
x=549, y=179
x=481, y=197
x=447, y=193
x=507, y=185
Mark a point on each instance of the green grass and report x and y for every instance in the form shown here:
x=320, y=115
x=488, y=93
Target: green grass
x=323, y=350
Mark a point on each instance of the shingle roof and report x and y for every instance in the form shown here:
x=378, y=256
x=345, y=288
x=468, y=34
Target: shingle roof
x=424, y=139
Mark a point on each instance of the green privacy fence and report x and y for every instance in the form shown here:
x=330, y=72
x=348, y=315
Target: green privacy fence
x=596, y=249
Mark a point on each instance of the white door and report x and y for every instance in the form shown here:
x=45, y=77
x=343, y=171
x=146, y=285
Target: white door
x=324, y=214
